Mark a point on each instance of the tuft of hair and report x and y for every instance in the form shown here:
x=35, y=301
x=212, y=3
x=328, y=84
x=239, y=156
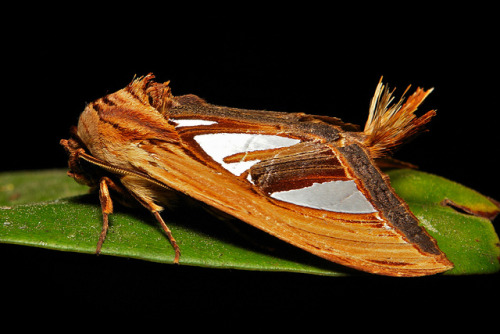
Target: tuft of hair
x=158, y=95
x=390, y=124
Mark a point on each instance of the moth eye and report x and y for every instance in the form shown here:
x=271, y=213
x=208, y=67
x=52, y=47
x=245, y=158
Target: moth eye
x=336, y=196
x=191, y=122
x=221, y=145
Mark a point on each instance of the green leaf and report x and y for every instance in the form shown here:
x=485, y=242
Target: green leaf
x=31, y=216
x=469, y=241
x=48, y=209
x=37, y=186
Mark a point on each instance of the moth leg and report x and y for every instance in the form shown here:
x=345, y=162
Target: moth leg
x=169, y=235
x=143, y=191
x=107, y=205
x=106, y=208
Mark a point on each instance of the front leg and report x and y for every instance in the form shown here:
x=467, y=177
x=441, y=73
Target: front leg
x=106, y=207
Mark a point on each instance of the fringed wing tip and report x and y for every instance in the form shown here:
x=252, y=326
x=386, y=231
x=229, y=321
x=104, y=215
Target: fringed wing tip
x=390, y=124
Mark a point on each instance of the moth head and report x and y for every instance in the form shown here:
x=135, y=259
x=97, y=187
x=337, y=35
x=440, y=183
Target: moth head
x=75, y=147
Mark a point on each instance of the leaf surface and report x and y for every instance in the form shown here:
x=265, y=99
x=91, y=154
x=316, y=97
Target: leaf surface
x=48, y=209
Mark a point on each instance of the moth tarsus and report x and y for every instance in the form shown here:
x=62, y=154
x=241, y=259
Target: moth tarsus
x=107, y=209
x=312, y=181
x=169, y=235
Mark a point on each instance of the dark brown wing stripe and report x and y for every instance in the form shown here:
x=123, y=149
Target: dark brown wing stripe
x=384, y=198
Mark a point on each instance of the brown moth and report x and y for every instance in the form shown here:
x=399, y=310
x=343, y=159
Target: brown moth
x=312, y=181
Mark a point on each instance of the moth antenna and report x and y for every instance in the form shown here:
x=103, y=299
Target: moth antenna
x=390, y=124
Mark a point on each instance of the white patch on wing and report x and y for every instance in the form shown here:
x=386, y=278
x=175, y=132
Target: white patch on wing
x=221, y=145
x=191, y=122
x=336, y=196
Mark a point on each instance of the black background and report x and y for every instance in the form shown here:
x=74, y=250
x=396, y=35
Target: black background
x=313, y=60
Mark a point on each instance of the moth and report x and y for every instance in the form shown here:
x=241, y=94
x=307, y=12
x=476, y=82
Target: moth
x=313, y=181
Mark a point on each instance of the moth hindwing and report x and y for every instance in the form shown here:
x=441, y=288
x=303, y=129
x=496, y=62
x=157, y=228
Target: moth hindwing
x=309, y=180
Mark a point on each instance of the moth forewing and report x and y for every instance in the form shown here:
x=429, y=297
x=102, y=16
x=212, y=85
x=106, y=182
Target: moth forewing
x=301, y=178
